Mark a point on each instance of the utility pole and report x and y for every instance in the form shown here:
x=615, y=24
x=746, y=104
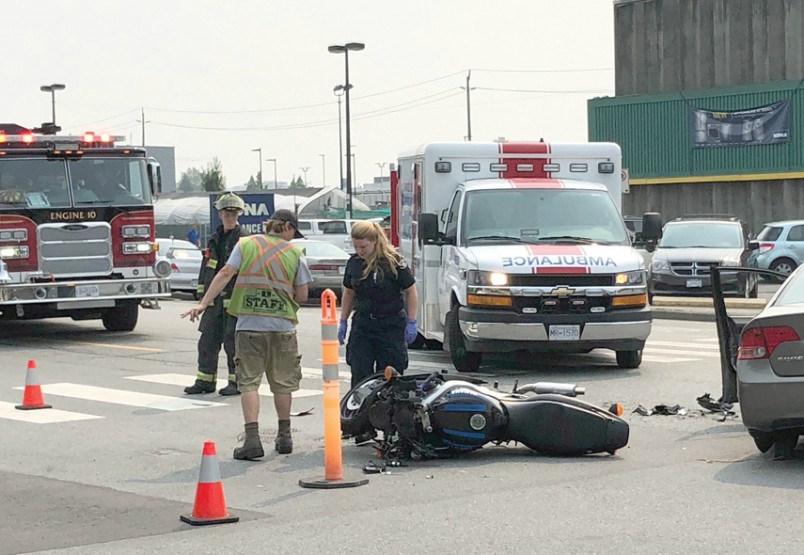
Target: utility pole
x=382, y=167
x=304, y=169
x=468, y=108
x=258, y=150
x=143, y=121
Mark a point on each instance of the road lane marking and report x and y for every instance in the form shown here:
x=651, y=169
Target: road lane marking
x=650, y=358
x=123, y=397
x=181, y=380
x=113, y=346
x=43, y=416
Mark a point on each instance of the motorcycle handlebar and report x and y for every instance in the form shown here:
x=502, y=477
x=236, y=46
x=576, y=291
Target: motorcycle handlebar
x=568, y=389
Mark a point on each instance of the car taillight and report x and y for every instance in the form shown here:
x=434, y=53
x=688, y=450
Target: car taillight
x=760, y=342
x=765, y=247
x=174, y=267
x=323, y=267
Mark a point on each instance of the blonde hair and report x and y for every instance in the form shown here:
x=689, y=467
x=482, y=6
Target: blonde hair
x=275, y=227
x=383, y=250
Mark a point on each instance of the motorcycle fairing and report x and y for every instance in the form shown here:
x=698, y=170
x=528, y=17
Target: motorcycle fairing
x=467, y=419
x=560, y=425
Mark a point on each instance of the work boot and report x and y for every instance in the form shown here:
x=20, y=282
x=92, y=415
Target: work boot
x=284, y=443
x=230, y=389
x=252, y=446
x=200, y=386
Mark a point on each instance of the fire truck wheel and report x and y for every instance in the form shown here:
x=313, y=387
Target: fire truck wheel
x=121, y=318
x=463, y=360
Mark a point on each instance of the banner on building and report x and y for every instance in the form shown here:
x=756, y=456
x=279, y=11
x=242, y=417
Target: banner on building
x=259, y=206
x=755, y=126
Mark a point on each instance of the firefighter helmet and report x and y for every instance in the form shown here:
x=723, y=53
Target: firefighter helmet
x=230, y=201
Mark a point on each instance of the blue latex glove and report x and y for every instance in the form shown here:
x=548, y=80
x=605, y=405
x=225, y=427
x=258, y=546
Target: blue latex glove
x=342, y=332
x=410, y=331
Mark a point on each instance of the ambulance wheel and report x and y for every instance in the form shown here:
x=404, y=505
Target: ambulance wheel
x=629, y=359
x=463, y=360
x=121, y=318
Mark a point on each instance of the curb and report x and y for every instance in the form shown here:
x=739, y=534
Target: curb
x=697, y=315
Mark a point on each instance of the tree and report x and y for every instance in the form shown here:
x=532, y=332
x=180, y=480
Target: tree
x=212, y=178
x=190, y=181
x=252, y=184
x=297, y=183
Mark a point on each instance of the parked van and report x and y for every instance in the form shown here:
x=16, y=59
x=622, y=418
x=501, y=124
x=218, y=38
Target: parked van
x=337, y=232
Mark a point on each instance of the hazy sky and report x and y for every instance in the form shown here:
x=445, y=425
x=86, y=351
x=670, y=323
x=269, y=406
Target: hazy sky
x=223, y=78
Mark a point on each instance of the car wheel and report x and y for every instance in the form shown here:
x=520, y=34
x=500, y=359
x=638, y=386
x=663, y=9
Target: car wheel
x=783, y=266
x=763, y=440
x=784, y=443
x=629, y=359
x=418, y=343
x=463, y=360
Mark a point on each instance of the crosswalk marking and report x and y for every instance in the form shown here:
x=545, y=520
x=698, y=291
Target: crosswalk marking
x=43, y=416
x=181, y=380
x=682, y=352
x=682, y=345
x=123, y=397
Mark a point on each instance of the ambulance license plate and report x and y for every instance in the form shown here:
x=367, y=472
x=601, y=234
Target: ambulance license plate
x=87, y=291
x=565, y=333
x=694, y=283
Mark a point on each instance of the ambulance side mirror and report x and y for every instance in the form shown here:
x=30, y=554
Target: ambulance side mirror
x=428, y=228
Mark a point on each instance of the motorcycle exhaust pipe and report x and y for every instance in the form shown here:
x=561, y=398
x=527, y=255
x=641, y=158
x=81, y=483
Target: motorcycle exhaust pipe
x=568, y=389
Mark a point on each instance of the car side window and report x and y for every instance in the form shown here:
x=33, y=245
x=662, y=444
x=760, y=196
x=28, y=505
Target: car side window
x=796, y=233
x=333, y=228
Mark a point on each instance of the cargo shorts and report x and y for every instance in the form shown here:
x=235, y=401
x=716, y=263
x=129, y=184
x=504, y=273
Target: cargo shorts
x=273, y=353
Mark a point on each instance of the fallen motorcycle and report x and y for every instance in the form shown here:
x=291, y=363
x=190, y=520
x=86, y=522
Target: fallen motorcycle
x=424, y=416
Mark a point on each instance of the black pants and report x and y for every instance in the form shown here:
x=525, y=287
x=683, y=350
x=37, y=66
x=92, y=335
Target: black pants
x=217, y=328
x=376, y=343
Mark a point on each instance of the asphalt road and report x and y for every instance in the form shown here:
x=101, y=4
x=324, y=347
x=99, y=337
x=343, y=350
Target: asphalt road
x=119, y=463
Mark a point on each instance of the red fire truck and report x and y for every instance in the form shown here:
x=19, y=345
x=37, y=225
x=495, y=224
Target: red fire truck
x=77, y=228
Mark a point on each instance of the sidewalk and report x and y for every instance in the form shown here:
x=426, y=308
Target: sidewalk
x=701, y=309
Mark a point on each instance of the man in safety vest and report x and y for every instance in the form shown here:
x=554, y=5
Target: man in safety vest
x=218, y=326
x=272, y=278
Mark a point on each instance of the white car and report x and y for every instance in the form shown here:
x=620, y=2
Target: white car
x=185, y=264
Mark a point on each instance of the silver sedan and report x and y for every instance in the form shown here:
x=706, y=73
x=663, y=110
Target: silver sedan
x=327, y=264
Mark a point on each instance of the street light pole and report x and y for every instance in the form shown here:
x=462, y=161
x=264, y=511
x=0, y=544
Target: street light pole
x=274, y=161
x=304, y=169
x=52, y=90
x=259, y=175
x=323, y=171
x=339, y=93
x=382, y=167
x=337, y=49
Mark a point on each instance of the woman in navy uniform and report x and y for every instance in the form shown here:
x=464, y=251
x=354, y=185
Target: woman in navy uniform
x=379, y=287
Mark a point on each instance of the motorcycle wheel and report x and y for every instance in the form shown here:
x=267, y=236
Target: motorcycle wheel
x=355, y=404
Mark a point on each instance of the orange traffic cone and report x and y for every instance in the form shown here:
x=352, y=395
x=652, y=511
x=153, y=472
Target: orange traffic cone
x=209, y=507
x=32, y=396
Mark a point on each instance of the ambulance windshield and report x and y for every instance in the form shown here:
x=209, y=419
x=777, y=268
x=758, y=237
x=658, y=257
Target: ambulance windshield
x=542, y=216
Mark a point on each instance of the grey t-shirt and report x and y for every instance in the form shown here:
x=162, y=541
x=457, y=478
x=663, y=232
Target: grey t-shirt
x=268, y=323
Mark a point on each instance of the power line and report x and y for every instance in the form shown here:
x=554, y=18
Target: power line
x=586, y=91
x=546, y=70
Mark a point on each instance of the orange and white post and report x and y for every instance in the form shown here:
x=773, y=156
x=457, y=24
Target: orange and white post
x=333, y=464
x=333, y=461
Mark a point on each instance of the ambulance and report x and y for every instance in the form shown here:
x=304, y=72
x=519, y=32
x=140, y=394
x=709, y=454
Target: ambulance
x=521, y=246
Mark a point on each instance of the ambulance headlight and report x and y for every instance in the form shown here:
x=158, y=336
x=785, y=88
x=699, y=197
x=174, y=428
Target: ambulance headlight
x=497, y=279
x=630, y=278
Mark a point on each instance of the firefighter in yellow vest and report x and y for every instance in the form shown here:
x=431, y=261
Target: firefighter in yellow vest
x=217, y=326
x=272, y=278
